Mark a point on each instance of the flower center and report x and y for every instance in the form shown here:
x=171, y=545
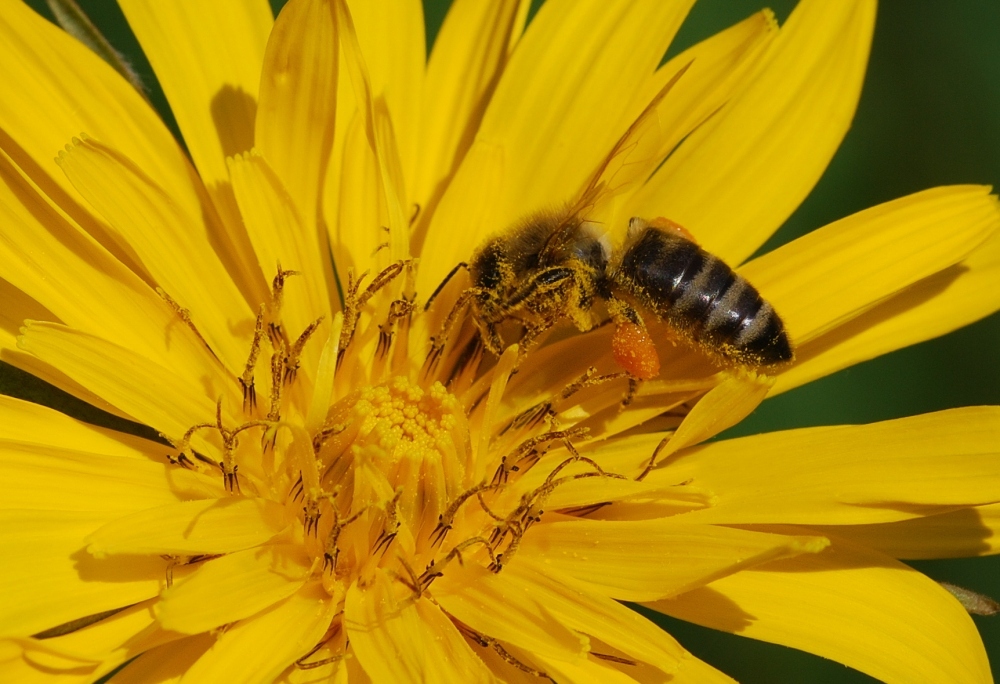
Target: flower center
x=394, y=456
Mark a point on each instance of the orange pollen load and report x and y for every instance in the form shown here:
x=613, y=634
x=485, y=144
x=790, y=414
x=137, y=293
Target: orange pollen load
x=635, y=352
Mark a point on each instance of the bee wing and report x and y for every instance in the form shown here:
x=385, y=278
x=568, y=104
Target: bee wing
x=634, y=156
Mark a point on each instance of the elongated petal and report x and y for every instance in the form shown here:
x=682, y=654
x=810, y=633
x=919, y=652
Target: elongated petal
x=231, y=588
x=882, y=472
x=557, y=111
x=280, y=238
x=736, y=180
x=400, y=640
x=17, y=307
x=56, y=580
x=955, y=534
x=65, y=479
x=50, y=259
x=380, y=136
x=936, y=305
x=56, y=88
x=484, y=602
x=191, y=527
x=593, y=613
x=391, y=36
x=721, y=408
x=207, y=57
x=166, y=664
x=147, y=391
x=915, y=630
x=838, y=272
x=625, y=559
x=469, y=54
x=166, y=239
x=249, y=652
x=27, y=423
x=298, y=99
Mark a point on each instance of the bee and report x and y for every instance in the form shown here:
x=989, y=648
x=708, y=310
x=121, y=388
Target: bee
x=553, y=267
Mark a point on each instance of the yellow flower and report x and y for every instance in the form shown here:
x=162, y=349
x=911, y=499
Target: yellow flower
x=330, y=500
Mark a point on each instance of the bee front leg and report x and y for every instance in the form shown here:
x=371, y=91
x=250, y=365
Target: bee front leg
x=439, y=341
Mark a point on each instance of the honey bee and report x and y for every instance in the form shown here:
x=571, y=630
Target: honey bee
x=553, y=267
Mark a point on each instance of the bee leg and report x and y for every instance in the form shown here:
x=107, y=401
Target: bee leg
x=439, y=341
x=633, y=388
x=530, y=338
x=447, y=279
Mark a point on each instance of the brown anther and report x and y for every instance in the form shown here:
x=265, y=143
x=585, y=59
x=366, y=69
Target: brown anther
x=447, y=519
x=435, y=569
x=326, y=432
x=303, y=665
x=291, y=359
x=332, y=553
x=489, y=642
x=311, y=516
x=613, y=658
x=247, y=380
x=355, y=300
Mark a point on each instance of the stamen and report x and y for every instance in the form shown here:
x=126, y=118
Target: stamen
x=185, y=316
x=247, y=379
x=291, y=359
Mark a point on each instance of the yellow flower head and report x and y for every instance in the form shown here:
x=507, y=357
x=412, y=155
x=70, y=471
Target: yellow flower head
x=368, y=463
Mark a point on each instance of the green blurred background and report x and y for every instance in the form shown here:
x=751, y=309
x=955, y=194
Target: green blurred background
x=929, y=115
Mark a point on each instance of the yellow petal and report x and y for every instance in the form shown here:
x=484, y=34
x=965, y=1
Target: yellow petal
x=280, y=237
x=169, y=241
x=104, y=644
x=838, y=272
x=591, y=612
x=207, y=57
x=469, y=54
x=50, y=259
x=231, y=588
x=397, y=639
x=65, y=479
x=258, y=649
x=696, y=671
x=557, y=112
x=57, y=88
x=391, y=36
x=379, y=133
x=191, y=527
x=165, y=664
x=938, y=304
x=152, y=394
x=464, y=204
x=955, y=534
x=625, y=559
x=47, y=373
x=55, y=578
x=487, y=604
x=851, y=605
x=722, y=407
x=17, y=307
x=298, y=100
x=852, y=474
x=32, y=424
x=734, y=181
x=716, y=68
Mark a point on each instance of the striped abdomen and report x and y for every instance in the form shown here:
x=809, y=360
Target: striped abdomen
x=700, y=296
